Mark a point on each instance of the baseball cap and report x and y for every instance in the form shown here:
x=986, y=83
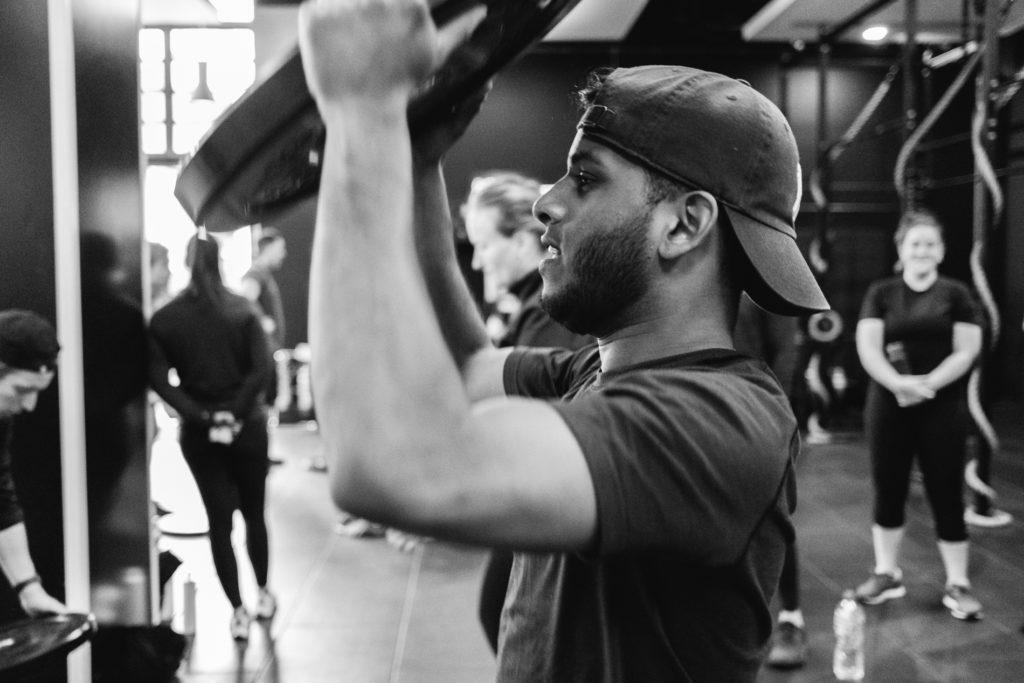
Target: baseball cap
x=27, y=341
x=717, y=134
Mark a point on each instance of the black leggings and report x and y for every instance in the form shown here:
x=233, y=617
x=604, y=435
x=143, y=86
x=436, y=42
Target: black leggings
x=789, y=582
x=936, y=432
x=229, y=478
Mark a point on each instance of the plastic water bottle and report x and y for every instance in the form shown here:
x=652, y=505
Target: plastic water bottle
x=848, y=623
x=189, y=601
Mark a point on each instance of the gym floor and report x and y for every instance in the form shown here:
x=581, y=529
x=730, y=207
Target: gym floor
x=364, y=611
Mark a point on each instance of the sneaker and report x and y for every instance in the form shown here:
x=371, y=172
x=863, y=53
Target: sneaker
x=240, y=622
x=266, y=604
x=994, y=518
x=789, y=646
x=961, y=603
x=881, y=587
x=357, y=527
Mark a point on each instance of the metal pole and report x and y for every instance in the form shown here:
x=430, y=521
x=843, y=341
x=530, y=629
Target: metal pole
x=982, y=213
x=824, y=50
x=911, y=197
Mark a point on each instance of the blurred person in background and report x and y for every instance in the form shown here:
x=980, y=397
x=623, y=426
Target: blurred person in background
x=918, y=337
x=213, y=340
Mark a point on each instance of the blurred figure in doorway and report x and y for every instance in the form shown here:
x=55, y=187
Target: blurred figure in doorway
x=213, y=340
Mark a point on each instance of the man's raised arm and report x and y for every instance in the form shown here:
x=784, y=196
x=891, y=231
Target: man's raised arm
x=463, y=328
x=403, y=446
x=377, y=347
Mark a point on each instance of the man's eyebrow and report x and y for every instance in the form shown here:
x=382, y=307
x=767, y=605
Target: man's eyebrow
x=581, y=156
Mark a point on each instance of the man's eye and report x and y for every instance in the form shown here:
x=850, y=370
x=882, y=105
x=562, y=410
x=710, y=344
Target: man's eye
x=582, y=180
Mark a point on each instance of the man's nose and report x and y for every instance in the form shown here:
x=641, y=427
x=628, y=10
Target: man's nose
x=547, y=209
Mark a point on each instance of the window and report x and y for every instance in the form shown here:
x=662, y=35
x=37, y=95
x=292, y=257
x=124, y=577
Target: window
x=188, y=76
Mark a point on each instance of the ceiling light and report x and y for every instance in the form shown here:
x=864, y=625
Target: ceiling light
x=875, y=34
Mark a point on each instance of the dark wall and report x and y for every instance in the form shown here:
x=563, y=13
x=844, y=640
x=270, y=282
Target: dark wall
x=528, y=122
x=28, y=277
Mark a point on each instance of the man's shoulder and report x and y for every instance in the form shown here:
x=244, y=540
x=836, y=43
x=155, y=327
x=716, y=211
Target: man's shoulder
x=721, y=382
x=710, y=366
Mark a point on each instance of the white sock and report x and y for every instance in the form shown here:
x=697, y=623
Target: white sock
x=954, y=558
x=887, y=548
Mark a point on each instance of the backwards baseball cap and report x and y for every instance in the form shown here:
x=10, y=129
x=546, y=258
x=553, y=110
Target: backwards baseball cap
x=27, y=341
x=717, y=134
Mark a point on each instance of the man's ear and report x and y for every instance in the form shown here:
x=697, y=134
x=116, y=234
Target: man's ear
x=688, y=220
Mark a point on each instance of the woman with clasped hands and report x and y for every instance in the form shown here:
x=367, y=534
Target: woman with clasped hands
x=918, y=337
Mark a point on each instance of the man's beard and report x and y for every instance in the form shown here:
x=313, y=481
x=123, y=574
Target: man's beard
x=607, y=274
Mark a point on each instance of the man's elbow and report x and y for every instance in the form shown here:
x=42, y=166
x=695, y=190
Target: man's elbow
x=404, y=495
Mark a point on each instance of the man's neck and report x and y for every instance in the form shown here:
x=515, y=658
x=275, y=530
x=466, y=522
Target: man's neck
x=662, y=337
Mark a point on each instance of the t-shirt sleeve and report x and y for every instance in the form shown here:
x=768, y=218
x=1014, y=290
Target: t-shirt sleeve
x=871, y=306
x=10, y=508
x=690, y=468
x=965, y=308
x=545, y=373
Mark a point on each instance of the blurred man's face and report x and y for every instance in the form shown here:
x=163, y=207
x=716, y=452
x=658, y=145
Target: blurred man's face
x=498, y=257
x=19, y=390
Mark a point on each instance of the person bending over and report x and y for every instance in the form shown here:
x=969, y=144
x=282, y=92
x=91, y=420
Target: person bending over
x=28, y=361
x=644, y=482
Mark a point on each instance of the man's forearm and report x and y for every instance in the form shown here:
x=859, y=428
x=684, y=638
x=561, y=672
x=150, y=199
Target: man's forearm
x=460, y=320
x=387, y=390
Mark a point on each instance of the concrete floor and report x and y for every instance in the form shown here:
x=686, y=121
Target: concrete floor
x=363, y=611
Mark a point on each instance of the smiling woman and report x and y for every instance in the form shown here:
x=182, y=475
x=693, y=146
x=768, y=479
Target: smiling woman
x=918, y=337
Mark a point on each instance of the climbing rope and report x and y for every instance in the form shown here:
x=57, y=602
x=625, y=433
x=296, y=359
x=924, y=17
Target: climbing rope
x=980, y=280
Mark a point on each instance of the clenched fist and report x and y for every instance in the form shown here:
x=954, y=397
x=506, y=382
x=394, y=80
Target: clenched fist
x=374, y=48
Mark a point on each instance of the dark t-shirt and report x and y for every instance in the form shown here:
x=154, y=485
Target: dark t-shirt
x=918, y=326
x=219, y=353
x=691, y=459
x=10, y=509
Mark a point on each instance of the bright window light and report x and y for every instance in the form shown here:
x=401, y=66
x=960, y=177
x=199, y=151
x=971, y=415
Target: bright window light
x=875, y=33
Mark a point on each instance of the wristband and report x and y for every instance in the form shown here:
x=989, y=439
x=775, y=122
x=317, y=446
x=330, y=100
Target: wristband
x=22, y=585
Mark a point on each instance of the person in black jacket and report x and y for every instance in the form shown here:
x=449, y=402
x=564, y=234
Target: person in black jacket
x=212, y=339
